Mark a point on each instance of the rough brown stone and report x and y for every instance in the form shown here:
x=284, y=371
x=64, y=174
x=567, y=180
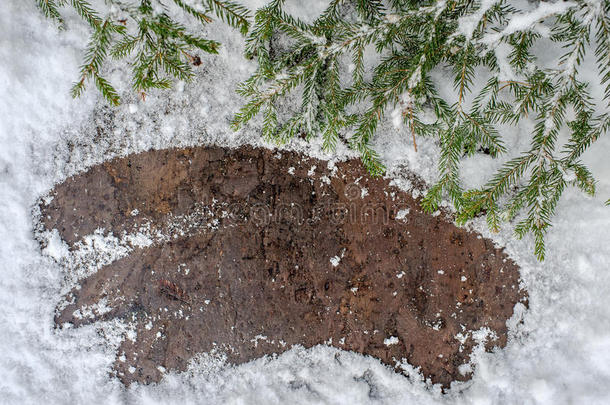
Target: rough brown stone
x=265, y=251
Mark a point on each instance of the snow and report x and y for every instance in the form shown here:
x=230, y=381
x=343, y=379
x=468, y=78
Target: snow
x=468, y=23
x=502, y=52
x=392, y=340
x=529, y=20
x=402, y=214
x=559, y=348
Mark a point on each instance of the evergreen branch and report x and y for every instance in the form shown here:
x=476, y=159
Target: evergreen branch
x=161, y=50
x=202, y=17
x=106, y=89
x=232, y=13
x=583, y=137
x=124, y=47
x=602, y=51
x=50, y=9
x=84, y=9
x=94, y=58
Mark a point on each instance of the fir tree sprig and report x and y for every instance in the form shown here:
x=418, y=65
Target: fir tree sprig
x=50, y=9
x=601, y=10
x=94, y=57
x=159, y=48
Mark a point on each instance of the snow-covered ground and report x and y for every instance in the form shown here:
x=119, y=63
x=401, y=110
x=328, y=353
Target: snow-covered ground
x=560, y=354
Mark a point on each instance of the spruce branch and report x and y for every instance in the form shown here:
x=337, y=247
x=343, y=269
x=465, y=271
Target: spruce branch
x=602, y=51
x=202, y=17
x=158, y=47
x=50, y=9
x=84, y=9
x=230, y=12
x=95, y=56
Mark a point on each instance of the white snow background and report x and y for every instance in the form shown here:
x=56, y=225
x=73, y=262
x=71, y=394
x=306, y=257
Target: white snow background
x=560, y=354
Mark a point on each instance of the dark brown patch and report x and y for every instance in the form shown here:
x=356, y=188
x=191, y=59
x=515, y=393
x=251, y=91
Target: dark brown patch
x=252, y=273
